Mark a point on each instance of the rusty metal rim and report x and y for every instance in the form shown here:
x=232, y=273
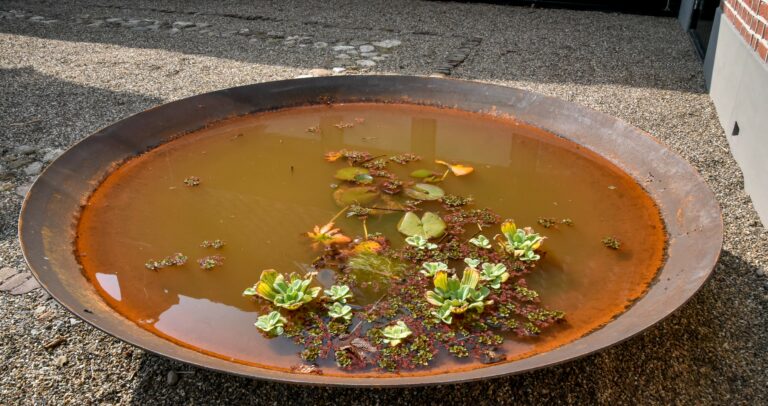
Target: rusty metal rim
x=689, y=209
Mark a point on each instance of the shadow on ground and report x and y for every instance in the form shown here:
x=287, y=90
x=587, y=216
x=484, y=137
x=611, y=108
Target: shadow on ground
x=673, y=353
x=44, y=111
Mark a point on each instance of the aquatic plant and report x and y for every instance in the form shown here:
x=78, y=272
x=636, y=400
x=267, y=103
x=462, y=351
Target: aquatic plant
x=192, y=181
x=494, y=274
x=430, y=225
x=471, y=262
x=346, y=196
x=481, y=241
x=431, y=268
x=290, y=295
x=454, y=296
x=327, y=236
x=368, y=246
x=354, y=174
x=423, y=173
x=427, y=176
x=338, y=293
x=215, y=244
x=420, y=242
x=339, y=310
x=395, y=334
x=378, y=164
x=520, y=242
x=405, y=158
x=392, y=186
x=425, y=191
x=177, y=259
x=526, y=293
x=272, y=323
x=547, y=222
x=415, y=317
x=210, y=262
x=372, y=263
x=611, y=242
x=355, y=210
x=353, y=157
x=458, y=219
x=453, y=201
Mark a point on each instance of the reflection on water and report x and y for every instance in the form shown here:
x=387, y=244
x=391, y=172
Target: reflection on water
x=204, y=323
x=264, y=184
x=111, y=285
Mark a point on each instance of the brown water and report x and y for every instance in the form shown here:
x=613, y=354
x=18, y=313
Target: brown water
x=264, y=183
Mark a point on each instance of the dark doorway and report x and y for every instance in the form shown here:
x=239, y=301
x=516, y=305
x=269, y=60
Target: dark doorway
x=702, y=20
x=667, y=8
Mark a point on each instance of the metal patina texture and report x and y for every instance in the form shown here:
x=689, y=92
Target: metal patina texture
x=691, y=214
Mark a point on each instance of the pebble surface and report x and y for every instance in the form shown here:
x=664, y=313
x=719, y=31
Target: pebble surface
x=70, y=69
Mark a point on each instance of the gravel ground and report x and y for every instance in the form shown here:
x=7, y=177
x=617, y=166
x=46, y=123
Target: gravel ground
x=66, y=70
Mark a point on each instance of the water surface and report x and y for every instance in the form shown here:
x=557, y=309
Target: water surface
x=264, y=184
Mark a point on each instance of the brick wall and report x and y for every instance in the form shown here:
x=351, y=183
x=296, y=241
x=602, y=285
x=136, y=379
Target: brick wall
x=750, y=17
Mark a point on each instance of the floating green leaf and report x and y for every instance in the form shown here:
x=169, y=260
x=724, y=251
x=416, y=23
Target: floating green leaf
x=395, y=334
x=481, y=241
x=289, y=294
x=360, y=195
x=363, y=178
x=271, y=323
x=521, y=242
x=431, y=268
x=422, y=173
x=471, y=262
x=350, y=173
x=434, y=226
x=494, y=274
x=410, y=225
x=425, y=191
x=430, y=225
x=420, y=242
x=434, y=179
x=339, y=310
x=338, y=293
x=454, y=296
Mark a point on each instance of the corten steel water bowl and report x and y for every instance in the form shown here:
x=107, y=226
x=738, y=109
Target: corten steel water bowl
x=688, y=207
